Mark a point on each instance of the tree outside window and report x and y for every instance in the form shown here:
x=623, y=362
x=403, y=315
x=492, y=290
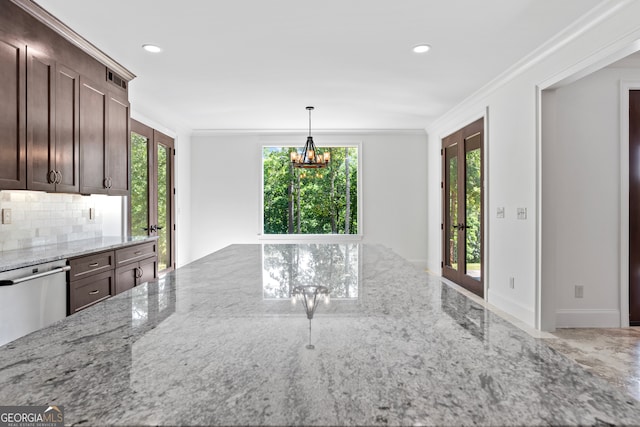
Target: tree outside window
x=310, y=201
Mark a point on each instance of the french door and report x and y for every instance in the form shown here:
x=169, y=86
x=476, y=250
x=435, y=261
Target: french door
x=151, y=205
x=462, y=184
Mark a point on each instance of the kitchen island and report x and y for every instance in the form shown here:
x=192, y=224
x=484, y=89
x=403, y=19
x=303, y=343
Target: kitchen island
x=218, y=342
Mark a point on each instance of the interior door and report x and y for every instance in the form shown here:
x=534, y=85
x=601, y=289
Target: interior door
x=462, y=226
x=634, y=207
x=151, y=204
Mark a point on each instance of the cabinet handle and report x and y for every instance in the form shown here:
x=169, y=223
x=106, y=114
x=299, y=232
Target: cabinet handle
x=110, y=182
x=95, y=264
x=141, y=273
x=137, y=252
x=59, y=175
x=96, y=292
x=105, y=183
x=52, y=180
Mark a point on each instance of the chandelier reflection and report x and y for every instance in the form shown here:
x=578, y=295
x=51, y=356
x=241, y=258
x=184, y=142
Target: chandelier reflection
x=310, y=297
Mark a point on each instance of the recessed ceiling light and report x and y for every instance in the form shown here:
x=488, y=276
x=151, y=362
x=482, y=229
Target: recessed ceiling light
x=152, y=48
x=421, y=48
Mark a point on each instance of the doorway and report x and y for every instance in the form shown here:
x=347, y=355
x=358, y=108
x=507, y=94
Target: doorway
x=151, y=205
x=463, y=203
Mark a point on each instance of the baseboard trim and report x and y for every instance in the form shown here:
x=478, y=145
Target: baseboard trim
x=591, y=318
x=512, y=307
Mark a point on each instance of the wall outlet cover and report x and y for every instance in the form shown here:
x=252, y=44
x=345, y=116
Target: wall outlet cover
x=6, y=216
x=500, y=212
x=522, y=213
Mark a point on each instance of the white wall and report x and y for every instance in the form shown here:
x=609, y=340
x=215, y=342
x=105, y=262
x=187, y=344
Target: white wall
x=512, y=150
x=581, y=198
x=226, y=188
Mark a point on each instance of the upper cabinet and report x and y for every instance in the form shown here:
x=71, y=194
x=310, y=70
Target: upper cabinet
x=12, y=114
x=64, y=116
x=52, y=126
x=104, y=141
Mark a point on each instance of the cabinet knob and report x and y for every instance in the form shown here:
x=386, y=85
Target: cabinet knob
x=51, y=177
x=59, y=177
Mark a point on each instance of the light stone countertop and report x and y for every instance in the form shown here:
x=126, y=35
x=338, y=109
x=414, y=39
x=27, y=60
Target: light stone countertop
x=10, y=260
x=218, y=342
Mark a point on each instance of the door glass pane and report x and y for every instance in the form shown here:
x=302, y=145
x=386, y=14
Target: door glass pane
x=452, y=207
x=164, y=218
x=473, y=211
x=139, y=185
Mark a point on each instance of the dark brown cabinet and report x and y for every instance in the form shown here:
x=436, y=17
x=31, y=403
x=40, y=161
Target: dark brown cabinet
x=104, y=141
x=90, y=280
x=52, y=126
x=93, y=138
x=98, y=276
x=136, y=265
x=13, y=145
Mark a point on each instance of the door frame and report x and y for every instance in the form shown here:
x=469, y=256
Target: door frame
x=155, y=138
x=470, y=129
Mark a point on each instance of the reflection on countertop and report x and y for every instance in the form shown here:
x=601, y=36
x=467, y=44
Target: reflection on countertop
x=204, y=346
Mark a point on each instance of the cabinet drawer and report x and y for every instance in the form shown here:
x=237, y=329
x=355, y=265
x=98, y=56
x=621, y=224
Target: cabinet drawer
x=90, y=290
x=90, y=264
x=135, y=253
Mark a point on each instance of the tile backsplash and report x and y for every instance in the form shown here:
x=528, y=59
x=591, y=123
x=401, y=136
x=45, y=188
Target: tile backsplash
x=39, y=218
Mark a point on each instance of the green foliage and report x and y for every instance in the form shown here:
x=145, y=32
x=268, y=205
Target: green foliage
x=322, y=193
x=139, y=185
x=473, y=206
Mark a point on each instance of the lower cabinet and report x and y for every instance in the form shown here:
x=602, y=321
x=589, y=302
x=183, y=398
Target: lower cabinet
x=136, y=273
x=97, y=276
x=90, y=290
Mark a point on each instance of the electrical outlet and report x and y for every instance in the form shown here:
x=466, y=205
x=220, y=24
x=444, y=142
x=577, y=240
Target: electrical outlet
x=512, y=282
x=500, y=212
x=579, y=291
x=6, y=216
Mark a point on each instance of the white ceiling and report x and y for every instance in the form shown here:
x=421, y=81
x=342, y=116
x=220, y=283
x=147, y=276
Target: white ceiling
x=256, y=64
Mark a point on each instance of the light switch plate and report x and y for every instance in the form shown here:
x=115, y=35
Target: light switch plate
x=6, y=216
x=522, y=213
x=500, y=212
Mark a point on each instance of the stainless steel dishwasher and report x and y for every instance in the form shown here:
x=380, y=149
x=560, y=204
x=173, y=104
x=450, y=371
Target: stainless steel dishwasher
x=32, y=298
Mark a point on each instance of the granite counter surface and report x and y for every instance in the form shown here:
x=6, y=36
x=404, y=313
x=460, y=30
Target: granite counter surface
x=10, y=260
x=218, y=342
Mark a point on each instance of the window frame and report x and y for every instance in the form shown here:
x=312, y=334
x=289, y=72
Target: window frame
x=285, y=238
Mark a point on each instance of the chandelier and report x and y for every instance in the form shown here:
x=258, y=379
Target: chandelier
x=310, y=296
x=310, y=158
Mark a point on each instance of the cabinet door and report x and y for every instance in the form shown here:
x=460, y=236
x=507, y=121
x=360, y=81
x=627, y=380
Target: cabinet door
x=13, y=142
x=148, y=269
x=93, y=121
x=118, y=134
x=67, y=153
x=41, y=174
x=126, y=277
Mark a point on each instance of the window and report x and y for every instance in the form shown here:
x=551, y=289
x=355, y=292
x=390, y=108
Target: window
x=310, y=201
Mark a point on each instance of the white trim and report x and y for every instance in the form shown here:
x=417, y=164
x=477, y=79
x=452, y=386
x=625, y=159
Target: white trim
x=537, y=280
x=625, y=87
x=512, y=307
x=486, y=211
x=35, y=10
x=587, y=318
x=226, y=132
x=297, y=238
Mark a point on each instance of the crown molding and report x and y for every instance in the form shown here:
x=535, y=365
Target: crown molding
x=35, y=10
x=216, y=132
x=587, y=21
